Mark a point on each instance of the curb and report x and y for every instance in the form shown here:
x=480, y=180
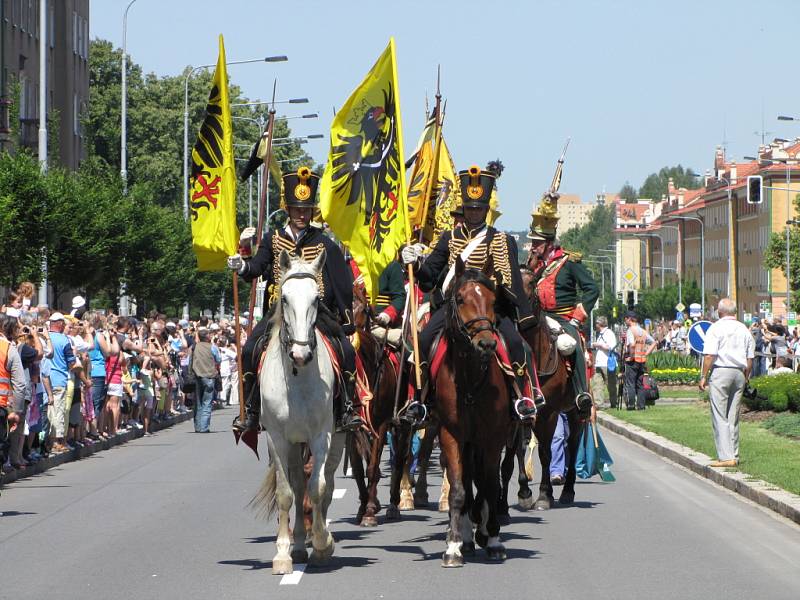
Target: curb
x=762, y=493
x=79, y=453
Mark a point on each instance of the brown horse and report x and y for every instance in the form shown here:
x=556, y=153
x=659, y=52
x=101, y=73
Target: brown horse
x=553, y=377
x=472, y=402
x=367, y=447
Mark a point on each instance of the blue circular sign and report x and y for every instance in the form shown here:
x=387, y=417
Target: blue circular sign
x=697, y=335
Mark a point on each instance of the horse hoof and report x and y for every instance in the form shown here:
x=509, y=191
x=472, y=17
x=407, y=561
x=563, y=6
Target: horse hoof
x=300, y=556
x=360, y=514
x=450, y=561
x=481, y=539
x=468, y=548
x=406, y=504
x=566, y=498
x=421, y=501
x=444, y=506
x=392, y=513
x=320, y=558
x=526, y=503
x=369, y=522
x=282, y=566
x=496, y=553
x=543, y=504
x=504, y=519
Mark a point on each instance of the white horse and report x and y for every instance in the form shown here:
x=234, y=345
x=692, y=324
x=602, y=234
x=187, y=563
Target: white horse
x=297, y=383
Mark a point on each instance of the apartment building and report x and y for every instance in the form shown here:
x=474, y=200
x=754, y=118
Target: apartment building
x=67, y=92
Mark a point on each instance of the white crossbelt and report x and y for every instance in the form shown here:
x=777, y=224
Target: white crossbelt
x=465, y=254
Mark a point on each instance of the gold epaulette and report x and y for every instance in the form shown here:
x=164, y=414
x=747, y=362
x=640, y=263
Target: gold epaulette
x=574, y=256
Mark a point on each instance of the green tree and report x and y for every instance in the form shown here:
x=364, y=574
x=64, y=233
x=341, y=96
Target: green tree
x=85, y=233
x=657, y=184
x=775, y=258
x=628, y=193
x=23, y=230
x=659, y=303
x=596, y=234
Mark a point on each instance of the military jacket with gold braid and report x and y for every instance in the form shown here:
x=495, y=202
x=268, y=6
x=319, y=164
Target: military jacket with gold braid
x=512, y=301
x=335, y=283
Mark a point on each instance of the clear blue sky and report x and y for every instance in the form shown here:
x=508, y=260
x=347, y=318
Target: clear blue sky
x=637, y=84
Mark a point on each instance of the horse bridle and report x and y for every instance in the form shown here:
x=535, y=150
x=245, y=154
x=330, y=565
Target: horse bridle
x=287, y=338
x=465, y=327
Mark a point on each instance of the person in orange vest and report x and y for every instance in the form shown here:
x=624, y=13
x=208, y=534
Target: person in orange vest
x=638, y=345
x=12, y=379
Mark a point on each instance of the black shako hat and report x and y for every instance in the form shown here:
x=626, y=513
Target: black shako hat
x=476, y=187
x=300, y=188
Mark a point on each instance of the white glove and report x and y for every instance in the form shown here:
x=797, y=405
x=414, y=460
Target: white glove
x=382, y=319
x=235, y=262
x=409, y=255
x=248, y=232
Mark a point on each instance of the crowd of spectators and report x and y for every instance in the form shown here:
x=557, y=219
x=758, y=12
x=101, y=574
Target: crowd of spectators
x=80, y=376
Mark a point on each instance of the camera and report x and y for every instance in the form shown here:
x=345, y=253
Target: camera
x=750, y=392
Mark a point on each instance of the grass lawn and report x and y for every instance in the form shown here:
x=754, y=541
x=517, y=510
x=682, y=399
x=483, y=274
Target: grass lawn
x=666, y=392
x=764, y=455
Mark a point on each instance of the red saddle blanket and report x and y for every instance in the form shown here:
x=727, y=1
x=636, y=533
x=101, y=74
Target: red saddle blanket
x=501, y=355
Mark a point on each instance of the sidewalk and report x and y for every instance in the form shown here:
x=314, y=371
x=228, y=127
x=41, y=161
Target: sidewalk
x=762, y=493
x=55, y=460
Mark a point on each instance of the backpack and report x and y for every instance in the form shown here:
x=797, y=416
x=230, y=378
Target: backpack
x=649, y=388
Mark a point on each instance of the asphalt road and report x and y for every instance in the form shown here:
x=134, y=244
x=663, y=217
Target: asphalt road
x=166, y=517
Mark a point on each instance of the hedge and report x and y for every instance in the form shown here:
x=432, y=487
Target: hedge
x=680, y=376
x=778, y=393
x=670, y=360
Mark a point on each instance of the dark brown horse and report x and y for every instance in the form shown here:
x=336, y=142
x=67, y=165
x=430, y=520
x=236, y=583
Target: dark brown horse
x=472, y=402
x=379, y=412
x=553, y=376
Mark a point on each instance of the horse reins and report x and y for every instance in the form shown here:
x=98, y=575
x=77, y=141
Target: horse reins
x=286, y=337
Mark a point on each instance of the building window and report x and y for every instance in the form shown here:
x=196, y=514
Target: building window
x=75, y=114
x=74, y=32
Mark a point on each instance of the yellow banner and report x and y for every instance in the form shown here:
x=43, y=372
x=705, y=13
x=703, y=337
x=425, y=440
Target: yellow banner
x=213, y=179
x=445, y=196
x=362, y=192
x=421, y=173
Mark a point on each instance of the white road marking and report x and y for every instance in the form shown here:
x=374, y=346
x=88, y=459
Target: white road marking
x=349, y=471
x=293, y=578
x=339, y=493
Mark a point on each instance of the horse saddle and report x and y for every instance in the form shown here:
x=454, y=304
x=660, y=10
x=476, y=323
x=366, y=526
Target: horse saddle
x=439, y=351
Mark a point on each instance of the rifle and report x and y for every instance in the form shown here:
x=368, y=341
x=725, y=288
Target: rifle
x=556, y=183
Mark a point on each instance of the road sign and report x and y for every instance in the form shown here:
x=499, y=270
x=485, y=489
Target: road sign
x=748, y=318
x=680, y=307
x=648, y=324
x=629, y=275
x=765, y=307
x=697, y=335
x=791, y=319
x=679, y=316
x=695, y=310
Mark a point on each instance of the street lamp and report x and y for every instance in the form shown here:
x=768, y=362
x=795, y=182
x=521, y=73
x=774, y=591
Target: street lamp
x=702, y=257
x=123, y=168
x=270, y=102
x=661, y=240
x=192, y=71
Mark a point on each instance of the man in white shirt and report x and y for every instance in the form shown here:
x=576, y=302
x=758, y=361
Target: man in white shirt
x=605, y=343
x=729, y=349
x=676, y=338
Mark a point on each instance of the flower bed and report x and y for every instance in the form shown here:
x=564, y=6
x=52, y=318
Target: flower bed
x=678, y=376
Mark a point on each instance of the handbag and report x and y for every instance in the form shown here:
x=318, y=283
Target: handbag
x=613, y=361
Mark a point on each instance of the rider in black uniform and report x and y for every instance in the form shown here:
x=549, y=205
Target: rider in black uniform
x=301, y=239
x=476, y=242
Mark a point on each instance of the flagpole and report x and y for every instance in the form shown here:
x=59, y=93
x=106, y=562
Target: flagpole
x=426, y=201
x=262, y=209
x=238, y=345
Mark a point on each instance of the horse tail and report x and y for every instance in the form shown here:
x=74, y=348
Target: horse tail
x=265, y=502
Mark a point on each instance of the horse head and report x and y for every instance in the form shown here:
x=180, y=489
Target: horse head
x=299, y=302
x=472, y=307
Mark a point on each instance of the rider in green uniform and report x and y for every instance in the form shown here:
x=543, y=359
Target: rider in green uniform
x=559, y=276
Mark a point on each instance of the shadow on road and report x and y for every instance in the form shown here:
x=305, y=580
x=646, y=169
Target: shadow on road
x=15, y=513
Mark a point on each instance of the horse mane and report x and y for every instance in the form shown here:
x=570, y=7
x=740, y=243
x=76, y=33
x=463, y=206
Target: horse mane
x=472, y=275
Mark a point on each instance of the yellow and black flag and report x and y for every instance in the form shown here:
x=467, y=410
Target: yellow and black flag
x=362, y=189
x=213, y=179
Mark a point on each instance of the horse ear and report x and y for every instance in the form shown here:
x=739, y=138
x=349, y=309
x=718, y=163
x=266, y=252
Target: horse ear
x=319, y=262
x=459, y=267
x=285, y=261
x=488, y=267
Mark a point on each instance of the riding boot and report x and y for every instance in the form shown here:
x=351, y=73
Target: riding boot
x=416, y=413
x=351, y=418
x=252, y=405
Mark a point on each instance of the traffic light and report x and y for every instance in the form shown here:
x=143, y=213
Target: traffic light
x=755, y=188
x=630, y=299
